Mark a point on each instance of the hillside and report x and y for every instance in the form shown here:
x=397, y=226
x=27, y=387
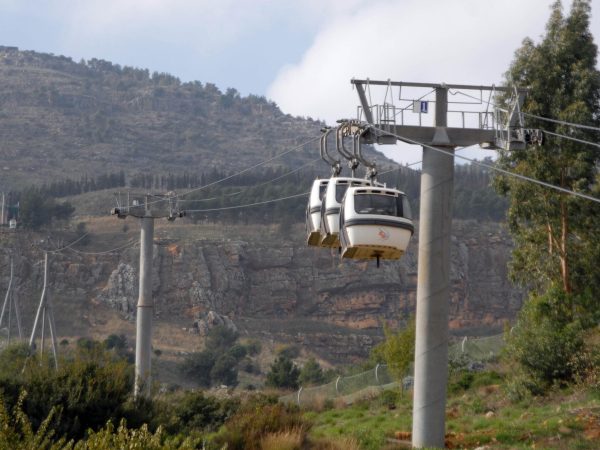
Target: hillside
x=264, y=278
x=60, y=119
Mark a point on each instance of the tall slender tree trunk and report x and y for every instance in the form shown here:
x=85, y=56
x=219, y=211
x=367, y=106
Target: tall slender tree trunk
x=564, y=253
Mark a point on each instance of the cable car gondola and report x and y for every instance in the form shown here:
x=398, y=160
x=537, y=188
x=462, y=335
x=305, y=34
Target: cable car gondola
x=375, y=223
x=330, y=210
x=313, y=212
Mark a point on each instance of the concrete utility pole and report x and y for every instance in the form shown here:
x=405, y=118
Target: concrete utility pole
x=437, y=185
x=10, y=299
x=145, y=310
x=145, y=304
x=45, y=312
x=2, y=220
x=433, y=286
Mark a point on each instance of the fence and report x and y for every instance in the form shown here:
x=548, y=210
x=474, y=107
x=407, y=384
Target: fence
x=377, y=379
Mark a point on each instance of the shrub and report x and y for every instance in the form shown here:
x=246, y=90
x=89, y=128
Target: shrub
x=220, y=339
x=284, y=440
x=197, y=367
x=187, y=412
x=389, y=398
x=245, y=429
x=289, y=351
x=237, y=351
x=84, y=392
x=311, y=373
x=283, y=374
x=253, y=347
x=118, y=342
x=546, y=340
x=16, y=431
x=88, y=393
x=224, y=371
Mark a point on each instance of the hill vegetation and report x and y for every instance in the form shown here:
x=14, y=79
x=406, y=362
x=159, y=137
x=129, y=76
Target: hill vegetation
x=59, y=117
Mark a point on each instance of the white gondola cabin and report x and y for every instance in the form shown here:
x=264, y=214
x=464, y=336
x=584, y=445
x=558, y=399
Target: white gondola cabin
x=330, y=211
x=375, y=223
x=313, y=212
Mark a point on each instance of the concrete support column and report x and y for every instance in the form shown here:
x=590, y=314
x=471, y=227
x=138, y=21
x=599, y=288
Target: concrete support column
x=433, y=288
x=145, y=307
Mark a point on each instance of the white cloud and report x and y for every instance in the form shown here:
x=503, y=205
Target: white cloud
x=463, y=41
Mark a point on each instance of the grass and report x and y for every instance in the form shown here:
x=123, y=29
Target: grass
x=480, y=415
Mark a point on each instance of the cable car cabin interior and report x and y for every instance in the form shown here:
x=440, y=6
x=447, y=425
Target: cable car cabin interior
x=330, y=211
x=375, y=223
x=313, y=212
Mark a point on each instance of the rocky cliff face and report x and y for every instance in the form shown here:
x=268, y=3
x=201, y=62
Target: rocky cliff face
x=282, y=290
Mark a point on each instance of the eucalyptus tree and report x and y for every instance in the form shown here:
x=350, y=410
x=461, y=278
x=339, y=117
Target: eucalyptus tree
x=557, y=244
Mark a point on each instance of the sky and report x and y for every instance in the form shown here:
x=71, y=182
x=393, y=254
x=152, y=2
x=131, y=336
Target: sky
x=301, y=54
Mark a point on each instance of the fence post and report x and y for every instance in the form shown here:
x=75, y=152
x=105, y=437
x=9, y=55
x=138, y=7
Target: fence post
x=336, y=385
x=299, y=391
x=376, y=374
x=462, y=346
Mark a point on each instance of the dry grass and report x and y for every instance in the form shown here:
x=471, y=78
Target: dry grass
x=347, y=443
x=284, y=440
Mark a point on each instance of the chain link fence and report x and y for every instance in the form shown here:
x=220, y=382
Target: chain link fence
x=372, y=381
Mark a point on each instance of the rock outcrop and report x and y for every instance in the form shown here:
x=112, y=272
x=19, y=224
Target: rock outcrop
x=268, y=288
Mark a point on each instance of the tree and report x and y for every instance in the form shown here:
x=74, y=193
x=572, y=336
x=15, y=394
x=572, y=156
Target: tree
x=284, y=374
x=311, y=373
x=557, y=246
x=221, y=338
x=555, y=233
x=545, y=343
x=198, y=366
x=38, y=209
x=397, y=350
x=225, y=371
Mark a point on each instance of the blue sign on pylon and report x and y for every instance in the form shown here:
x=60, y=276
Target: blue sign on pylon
x=420, y=107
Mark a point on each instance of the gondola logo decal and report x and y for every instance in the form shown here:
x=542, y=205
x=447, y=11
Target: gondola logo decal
x=383, y=234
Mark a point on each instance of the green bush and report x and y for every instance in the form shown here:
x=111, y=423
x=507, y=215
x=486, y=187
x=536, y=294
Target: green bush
x=289, y=351
x=189, y=412
x=220, y=339
x=283, y=374
x=311, y=373
x=197, y=366
x=253, y=347
x=389, y=398
x=237, y=351
x=244, y=430
x=460, y=381
x=86, y=391
x=224, y=370
x=546, y=340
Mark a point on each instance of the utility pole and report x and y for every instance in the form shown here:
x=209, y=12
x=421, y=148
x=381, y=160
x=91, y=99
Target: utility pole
x=2, y=220
x=437, y=186
x=44, y=312
x=433, y=285
x=145, y=304
x=10, y=299
x=145, y=310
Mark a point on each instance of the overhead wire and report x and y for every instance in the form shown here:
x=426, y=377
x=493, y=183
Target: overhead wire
x=129, y=244
x=58, y=250
x=260, y=184
x=249, y=204
x=310, y=141
x=581, y=141
x=282, y=198
x=494, y=168
x=547, y=119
